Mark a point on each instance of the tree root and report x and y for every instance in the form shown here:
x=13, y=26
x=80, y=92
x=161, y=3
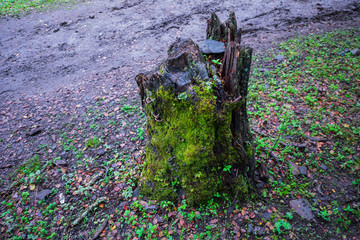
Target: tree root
x=97, y=233
x=91, y=207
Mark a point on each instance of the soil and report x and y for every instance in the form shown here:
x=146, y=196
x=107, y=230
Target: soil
x=46, y=51
x=71, y=70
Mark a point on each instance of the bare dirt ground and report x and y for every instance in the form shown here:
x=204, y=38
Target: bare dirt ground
x=46, y=51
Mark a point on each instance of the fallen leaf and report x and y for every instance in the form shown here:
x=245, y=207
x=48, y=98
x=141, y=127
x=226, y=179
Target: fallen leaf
x=32, y=187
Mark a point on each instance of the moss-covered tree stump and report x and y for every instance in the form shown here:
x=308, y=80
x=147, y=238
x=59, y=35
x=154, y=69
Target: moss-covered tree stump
x=199, y=141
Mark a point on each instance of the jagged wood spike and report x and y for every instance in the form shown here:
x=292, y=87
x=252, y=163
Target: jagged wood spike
x=215, y=29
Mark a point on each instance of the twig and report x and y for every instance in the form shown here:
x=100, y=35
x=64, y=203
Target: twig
x=148, y=101
x=106, y=170
x=97, y=202
x=293, y=145
x=67, y=225
x=94, y=179
x=273, y=155
x=97, y=233
x=237, y=100
x=316, y=139
x=319, y=190
x=6, y=166
x=260, y=132
x=156, y=117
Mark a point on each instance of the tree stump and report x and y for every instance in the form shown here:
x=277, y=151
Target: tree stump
x=199, y=140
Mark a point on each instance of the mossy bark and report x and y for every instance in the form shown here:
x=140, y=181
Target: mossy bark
x=199, y=141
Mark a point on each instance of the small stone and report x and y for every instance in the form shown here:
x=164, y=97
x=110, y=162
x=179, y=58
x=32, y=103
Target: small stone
x=323, y=167
x=93, y=197
x=260, y=184
x=150, y=208
x=355, y=52
x=15, y=196
x=143, y=203
x=250, y=229
x=122, y=205
x=61, y=162
x=136, y=192
x=211, y=47
x=61, y=198
x=303, y=170
x=279, y=58
x=44, y=193
x=34, y=132
x=266, y=216
x=260, y=230
x=302, y=207
x=295, y=169
x=159, y=219
x=342, y=53
x=100, y=152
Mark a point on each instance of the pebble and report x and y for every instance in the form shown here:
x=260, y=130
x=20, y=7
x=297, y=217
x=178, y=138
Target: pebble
x=43, y=194
x=303, y=170
x=260, y=184
x=302, y=207
x=61, y=162
x=279, y=58
x=100, y=152
x=342, y=53
x=250, y=229
x=150, y=208
x=355, y=52
x=211, y=47
x=295, y=169
x=61, y=198
x=323, y=167
x=15, y=196
x=266, y=216
x=136, y=192
x=121, y=206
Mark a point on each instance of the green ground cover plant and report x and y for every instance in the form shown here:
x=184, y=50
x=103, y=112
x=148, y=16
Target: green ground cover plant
x=19, y=7
x=303, y=110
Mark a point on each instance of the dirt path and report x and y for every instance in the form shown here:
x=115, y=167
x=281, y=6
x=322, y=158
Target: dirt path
x=47, y=51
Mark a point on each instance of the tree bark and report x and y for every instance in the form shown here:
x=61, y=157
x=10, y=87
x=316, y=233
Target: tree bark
x=199, y=139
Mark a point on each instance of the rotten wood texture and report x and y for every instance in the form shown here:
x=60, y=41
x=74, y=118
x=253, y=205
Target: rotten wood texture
x=183, y=71
x=102, y=227
x=215, y=29
x=235, y=73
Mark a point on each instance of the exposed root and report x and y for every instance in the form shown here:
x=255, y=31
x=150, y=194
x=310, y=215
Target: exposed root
x=91, y=207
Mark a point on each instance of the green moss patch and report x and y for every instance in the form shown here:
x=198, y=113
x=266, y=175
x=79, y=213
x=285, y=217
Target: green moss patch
x=190, y=143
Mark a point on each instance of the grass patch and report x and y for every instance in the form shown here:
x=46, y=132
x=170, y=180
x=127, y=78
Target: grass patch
x=19, y=7
x=311, y=100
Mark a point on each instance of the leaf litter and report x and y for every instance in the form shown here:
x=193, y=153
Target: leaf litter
x=90, y=152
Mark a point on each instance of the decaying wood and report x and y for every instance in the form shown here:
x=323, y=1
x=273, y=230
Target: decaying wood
x=91, y=207
x=102, y=227
x=179, y=75
x=215, y=29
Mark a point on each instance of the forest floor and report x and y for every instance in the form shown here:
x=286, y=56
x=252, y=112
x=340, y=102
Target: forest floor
x=72, y=154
